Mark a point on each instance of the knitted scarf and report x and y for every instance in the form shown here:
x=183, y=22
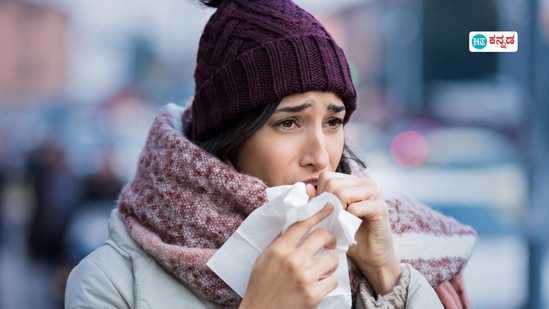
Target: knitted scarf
x=184, y=203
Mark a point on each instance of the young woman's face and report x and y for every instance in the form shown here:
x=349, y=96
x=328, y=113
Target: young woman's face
x=303, y=137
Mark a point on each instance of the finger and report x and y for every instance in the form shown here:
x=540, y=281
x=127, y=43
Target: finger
x=326, y=285
x=351, y=195
x=328, y=180
x=298, y=230
x=316, y=242
x=369, y=209
x=331, y=181
x=311, y=190
x=326, y=175
x=348, y=189
x=326, y=264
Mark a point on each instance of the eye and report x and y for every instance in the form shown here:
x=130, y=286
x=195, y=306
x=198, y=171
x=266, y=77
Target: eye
x=334, y=122
x=287, y=123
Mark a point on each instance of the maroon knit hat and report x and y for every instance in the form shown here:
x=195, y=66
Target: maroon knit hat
x=253, y=53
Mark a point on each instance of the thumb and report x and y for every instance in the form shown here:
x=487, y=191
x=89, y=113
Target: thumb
x=311, y=191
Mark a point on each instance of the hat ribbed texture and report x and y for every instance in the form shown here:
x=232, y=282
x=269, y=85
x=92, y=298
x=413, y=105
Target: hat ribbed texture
x=253, y=53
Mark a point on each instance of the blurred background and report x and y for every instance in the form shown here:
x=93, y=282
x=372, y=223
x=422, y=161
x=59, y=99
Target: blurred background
x=466, y=133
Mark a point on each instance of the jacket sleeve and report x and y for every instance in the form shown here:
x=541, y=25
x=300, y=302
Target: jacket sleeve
x=88, y=286
x=411, y=292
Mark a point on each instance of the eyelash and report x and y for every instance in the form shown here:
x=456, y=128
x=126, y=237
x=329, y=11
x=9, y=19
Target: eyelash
x=333, y=122
x=284, y=121
x=338, y=121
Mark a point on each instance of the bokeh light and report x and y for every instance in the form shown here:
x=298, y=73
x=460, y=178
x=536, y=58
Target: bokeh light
x=409, y=149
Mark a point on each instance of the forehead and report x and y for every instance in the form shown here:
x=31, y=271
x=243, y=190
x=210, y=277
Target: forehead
x=312, y=97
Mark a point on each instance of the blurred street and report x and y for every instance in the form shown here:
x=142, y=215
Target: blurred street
x=465, y=133
x=24, y=282
x=32, y=280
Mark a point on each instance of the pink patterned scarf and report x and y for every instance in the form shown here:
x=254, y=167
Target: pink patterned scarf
x=183, y=204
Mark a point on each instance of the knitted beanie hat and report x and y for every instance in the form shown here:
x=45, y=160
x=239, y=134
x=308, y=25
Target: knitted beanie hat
x=256, y=52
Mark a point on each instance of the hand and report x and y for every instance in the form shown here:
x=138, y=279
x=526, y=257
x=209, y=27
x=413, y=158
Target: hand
x=289, y=274
x=374, y=252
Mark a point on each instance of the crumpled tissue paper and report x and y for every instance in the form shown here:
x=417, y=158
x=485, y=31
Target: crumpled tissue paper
x=287, y=204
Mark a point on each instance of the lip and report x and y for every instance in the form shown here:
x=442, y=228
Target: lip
x=313, y=181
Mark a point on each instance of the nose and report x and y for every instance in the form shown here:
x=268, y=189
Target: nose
x=314, y=152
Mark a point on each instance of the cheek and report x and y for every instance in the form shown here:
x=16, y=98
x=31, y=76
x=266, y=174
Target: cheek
x=266, y=159
x=335, y=151
x=275, y=162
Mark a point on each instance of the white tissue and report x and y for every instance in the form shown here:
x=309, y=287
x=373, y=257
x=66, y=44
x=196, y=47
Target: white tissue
x=288, y=204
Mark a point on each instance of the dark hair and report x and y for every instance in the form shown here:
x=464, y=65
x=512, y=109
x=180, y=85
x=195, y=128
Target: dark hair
x=226, y=144
x=211, y=3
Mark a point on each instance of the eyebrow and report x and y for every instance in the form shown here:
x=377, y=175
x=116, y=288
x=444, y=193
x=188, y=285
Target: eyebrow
x=336, y=108
x=298, y=108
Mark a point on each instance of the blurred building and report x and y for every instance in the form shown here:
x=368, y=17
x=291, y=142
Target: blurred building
x=33, y=61
x=481, y=117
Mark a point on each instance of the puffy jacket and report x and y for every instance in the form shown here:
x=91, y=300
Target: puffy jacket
x=120, y=274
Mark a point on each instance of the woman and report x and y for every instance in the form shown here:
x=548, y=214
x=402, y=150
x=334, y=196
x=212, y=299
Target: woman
x=273, y=92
